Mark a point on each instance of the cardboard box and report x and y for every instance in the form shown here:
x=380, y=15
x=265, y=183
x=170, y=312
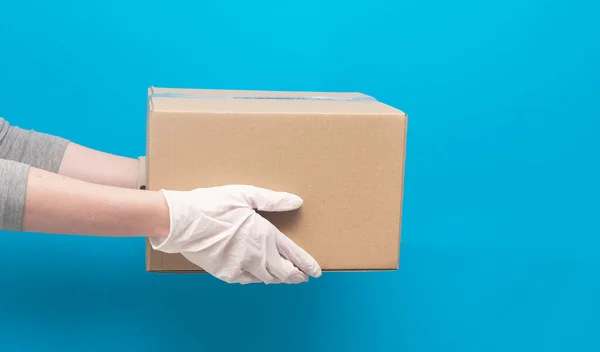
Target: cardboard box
x=343, y=153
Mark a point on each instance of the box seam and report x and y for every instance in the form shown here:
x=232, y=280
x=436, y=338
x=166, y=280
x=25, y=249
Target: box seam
x=402, y=189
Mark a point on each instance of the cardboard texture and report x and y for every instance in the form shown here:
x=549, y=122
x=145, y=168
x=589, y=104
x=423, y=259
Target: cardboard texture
x=343, y=153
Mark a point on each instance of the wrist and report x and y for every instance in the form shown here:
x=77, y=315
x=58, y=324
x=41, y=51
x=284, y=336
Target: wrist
x=159, y=219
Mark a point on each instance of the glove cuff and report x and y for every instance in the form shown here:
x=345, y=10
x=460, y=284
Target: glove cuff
x=172, y=243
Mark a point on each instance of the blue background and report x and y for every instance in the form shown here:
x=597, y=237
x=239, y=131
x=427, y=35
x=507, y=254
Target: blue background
x=500, y=234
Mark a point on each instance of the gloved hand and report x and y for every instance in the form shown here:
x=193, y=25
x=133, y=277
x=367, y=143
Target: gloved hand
x=219, y=230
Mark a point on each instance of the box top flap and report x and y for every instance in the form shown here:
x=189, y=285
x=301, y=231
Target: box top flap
x=254, y=101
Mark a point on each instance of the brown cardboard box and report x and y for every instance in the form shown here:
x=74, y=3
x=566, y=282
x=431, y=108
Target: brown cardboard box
x=343, y=153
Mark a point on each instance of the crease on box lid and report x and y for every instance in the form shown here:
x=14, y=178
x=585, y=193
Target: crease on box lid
x=356, y=98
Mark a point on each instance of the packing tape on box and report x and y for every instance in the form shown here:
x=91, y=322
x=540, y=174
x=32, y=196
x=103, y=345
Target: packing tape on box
x=235, y=97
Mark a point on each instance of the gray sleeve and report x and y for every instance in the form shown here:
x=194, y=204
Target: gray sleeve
x=29, y=147
x=13, y=184
x=19, y=151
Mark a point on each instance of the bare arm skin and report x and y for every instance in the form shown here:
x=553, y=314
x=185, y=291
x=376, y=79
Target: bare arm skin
x=58, y=204
x=94, y=166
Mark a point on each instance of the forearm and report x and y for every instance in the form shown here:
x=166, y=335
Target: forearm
x=62, y=205
x=93, y=166
x=56, y=154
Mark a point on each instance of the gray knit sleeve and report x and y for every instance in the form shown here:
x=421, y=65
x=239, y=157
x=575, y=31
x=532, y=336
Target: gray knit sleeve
x=13, y=183
x=19, y=151
x=36, y=149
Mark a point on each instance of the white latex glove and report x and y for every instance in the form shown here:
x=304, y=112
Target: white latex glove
x=219, y=230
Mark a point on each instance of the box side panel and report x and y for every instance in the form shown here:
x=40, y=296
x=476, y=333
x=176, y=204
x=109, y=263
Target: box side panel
x=348, y=170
